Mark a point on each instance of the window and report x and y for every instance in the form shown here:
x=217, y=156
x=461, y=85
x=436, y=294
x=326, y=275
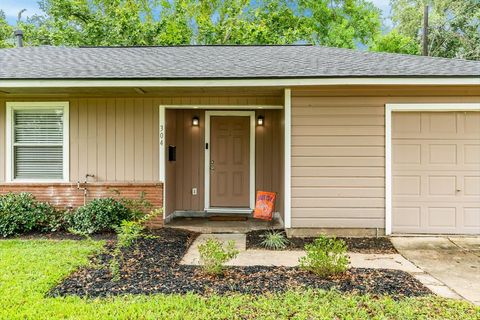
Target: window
x=37, y=138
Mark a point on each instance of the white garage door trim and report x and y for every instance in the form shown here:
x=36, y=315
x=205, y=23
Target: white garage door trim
x=425, y=107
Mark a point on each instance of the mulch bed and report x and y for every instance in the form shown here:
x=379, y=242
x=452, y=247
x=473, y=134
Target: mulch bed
x=153, y=267
x=360, y=245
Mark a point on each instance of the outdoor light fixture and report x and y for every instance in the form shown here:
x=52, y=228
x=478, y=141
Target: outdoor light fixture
x=195, y=121
x=260, y=120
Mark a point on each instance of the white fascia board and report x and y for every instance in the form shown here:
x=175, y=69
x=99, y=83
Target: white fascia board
x=125, y=83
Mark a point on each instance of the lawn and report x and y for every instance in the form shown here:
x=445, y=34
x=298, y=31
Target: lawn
x=29, y=268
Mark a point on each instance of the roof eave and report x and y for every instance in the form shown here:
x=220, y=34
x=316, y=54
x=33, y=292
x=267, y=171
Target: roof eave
x=239, y=82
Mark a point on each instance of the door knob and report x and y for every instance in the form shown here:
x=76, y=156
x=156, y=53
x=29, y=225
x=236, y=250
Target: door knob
x=212, y=165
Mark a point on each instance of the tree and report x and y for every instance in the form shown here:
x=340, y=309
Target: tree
x=394, y=42
x=454, y=26
x=6, y=32
x=342, y=23
x=240, y=22
x=107, y=22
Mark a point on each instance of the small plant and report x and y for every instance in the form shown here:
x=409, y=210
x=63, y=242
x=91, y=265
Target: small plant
x=99, y=215
x=325, y=257
x=127, y=233
x=275, y=239
x=214, y=255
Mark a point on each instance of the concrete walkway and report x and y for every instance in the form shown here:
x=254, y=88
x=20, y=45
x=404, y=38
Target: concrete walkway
x=290, y=259
x=454, y=261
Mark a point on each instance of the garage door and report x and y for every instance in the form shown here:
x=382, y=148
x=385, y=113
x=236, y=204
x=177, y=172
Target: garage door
x=436, y=172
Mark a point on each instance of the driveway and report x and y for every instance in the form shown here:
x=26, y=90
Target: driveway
x=455, y=261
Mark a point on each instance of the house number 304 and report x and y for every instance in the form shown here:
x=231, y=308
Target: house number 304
x=161, y=135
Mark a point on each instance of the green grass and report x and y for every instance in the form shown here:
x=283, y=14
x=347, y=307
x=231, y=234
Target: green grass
x=29, y=268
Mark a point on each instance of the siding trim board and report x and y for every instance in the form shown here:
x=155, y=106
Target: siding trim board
x=406, y=107
x=288, y=159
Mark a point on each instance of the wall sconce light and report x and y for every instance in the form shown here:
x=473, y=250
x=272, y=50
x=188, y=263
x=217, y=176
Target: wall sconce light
x=260, y=120
x=195, y=121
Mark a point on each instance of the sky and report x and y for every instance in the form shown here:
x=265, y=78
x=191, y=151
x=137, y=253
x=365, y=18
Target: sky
x=12, y=7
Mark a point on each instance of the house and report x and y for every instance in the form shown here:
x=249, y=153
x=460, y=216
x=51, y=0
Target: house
x=353, y=143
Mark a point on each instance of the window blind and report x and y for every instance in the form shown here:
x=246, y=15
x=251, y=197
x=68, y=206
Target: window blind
x=38, y=144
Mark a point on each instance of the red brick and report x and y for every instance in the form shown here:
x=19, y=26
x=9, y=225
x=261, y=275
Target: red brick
x=66, y=195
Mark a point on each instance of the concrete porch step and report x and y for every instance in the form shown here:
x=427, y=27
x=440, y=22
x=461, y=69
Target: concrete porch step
x=206, y=226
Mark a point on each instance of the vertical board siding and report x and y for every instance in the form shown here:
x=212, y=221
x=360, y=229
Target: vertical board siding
x=109, y=138
x=74, y=140
x=102, y=140
x=268, y=152
x=190, y=159
x=111, y=162
x=170, y=166
x=119, y=138
x=129, y=140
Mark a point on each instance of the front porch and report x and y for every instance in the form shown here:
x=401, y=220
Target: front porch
x=222, y=223
x=214, y=159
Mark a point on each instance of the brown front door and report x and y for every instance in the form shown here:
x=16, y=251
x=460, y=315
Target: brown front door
x=229, y=161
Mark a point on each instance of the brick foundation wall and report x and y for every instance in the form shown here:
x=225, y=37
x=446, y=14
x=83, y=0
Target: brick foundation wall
x=66, y=195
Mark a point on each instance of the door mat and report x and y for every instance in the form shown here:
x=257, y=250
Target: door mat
x=227, y=218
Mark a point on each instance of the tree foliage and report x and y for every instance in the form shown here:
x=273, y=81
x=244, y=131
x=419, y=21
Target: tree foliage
x=341, y=23
x=394, y=42
x=6, y=31
x=454, y=26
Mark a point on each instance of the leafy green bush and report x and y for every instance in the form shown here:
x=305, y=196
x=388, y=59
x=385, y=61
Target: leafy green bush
x=325, y=257
x=275, y=239
x=214, y=255
x=99, y=215
x=20, y=212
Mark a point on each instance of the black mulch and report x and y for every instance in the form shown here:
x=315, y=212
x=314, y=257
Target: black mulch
x=360, y=245
x=153, y=267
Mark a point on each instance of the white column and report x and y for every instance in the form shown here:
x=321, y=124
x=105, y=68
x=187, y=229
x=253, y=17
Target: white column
x=288, y=159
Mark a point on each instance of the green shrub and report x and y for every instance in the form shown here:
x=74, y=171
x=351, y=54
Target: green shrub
x=99, y=215
x=49, y=219
x=20, y=212
x=214, y=255
x=275, y=239
x=325, y=257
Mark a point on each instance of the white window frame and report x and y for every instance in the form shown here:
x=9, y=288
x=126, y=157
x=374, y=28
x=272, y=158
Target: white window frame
x=11, y=107
x=409, y=107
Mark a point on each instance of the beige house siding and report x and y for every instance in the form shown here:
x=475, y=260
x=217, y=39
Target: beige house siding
x=338, y=148
x=116, y=139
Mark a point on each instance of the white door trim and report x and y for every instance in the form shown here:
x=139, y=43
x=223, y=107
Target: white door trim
x=208, y=115
x=287, y=208
x=425, y=107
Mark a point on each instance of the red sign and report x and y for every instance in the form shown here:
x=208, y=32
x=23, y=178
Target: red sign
x=264, y=205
